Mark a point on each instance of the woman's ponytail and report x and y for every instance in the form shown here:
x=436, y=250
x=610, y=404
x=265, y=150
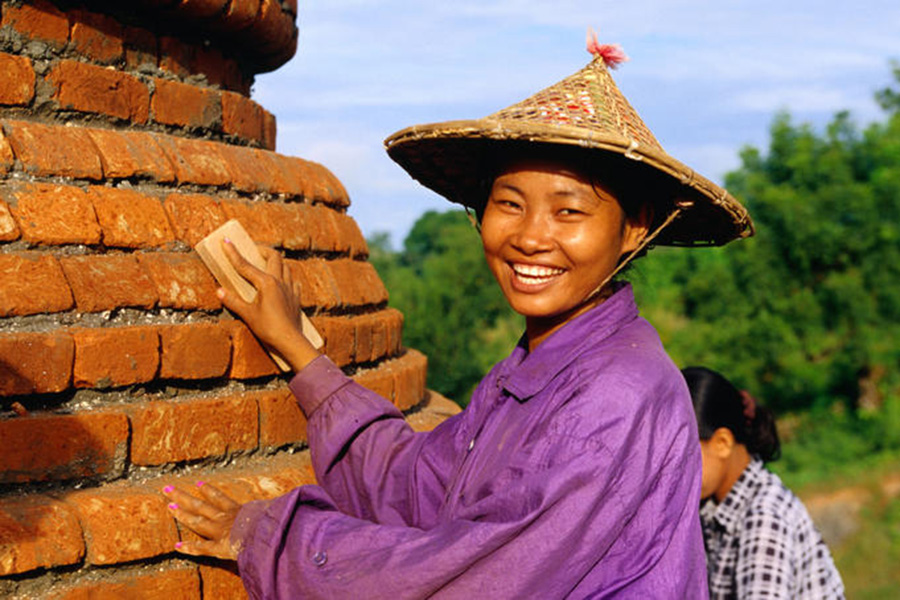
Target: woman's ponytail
x=717, y=404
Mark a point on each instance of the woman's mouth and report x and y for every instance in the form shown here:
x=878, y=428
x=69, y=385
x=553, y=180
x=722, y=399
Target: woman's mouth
x=534, y=274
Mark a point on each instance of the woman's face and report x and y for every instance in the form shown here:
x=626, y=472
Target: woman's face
x=550, y=238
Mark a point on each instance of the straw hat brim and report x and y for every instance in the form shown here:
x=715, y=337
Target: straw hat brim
x=451, y=157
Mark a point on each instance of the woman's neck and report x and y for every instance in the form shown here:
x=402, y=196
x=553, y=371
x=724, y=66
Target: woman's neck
x=538, y=329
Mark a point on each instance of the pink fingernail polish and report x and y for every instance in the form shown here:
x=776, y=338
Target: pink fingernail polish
x=227, y=240
x=179, y=544
x=200, y=483
x=173, y=506
x=169, y=489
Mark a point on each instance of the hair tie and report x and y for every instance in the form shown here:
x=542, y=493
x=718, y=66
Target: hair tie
x=749, y=403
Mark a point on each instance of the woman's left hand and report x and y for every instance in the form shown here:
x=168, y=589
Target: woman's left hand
x=211, y=517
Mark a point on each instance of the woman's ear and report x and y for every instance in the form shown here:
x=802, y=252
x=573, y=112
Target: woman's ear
x=637, y=228
x=722, y=442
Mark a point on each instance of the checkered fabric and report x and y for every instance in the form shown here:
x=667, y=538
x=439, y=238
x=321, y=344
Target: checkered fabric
x=761, y=543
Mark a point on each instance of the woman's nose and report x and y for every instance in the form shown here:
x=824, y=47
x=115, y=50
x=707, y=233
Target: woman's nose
x=533, y=234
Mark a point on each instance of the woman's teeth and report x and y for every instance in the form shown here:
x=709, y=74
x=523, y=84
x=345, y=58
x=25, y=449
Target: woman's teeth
x=535, y=274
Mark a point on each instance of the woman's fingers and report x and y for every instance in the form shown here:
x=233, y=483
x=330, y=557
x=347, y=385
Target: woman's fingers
x=217, y=497
x=191, y=505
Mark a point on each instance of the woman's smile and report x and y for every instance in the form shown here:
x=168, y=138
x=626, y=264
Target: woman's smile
x=529, y=276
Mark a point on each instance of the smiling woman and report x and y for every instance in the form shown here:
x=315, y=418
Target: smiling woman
x=575, y=470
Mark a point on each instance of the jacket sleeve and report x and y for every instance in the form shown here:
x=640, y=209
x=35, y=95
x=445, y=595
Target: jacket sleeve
x=366, y=457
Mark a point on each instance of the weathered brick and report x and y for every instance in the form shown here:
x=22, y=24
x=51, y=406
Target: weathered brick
x=184, y=105
x=269, y=130
x=140, y=47
x=329, y=187
x=87, y=88
x=96, y=36
x=409, y=379
x=394, y=330
x=320, y=289
x=267, y=482
x=32, y=283
x=349, y=236
x=109, y=281
x=17, y=83
x=55, y=447
x=182, y=280
x=291, y=221
x=362, y=339
x=130, y=219
x=350, y=290
x=179, y=583
x=38, y=20
x=323, y=229
x=249, y=170
x=53, y=214
x=248, y=357
x=123, y=524
x=252, y=216
x=35, y=363
x=6, y=154
x=53, y=150
x=241, y=116
x=297, y=175
x=8, y=229
x=175, y=431
x=193, y=216
x=273, y=28
x=37, y=532
x=195, y=161
x=281, y=421
x=221, y=582
x=239, y=15
x=111, y=357
x=126, y=154
x=371, y=337
x=175, y=56
x=379, y=380
x=372, y=290
x=339, y=336
x=194, y=351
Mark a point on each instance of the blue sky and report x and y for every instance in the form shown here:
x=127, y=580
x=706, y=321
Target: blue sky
x=706, y=76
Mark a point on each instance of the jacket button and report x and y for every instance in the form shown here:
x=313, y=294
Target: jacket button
x=320, y=558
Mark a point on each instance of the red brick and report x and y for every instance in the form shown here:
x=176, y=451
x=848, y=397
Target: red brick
x=380, y=381
x=175, y=56
x=369, y=283
x=53, y=150
x=268, y=482
x=6, y=154
x=107, y=282
x=123, y=524
x=241, y=116
x=362, y=339
x=339, y=335
x=194, y=351
x=298, y=176
x=273, y=28
x=219, y=71
x=250, y=171
x=321, y=288
x=170, y=431
x=195, y=161
x=17, y=84
x=323, y=229
x=126, y=154
x=54, y=447
x=9, y=231
x=140, y=47
x=345, y=273
x=115, y=356
x=96, y=36
x=37, y=532
x=182, y=280
x=248, y=357
x=201, y=8
x=92, y=89
x=281, y=422
x=393, y=330
x=53, y=214
x=252, y=216
x=130, y=219
x=32, y=283
x=290, y=221
x=184, y=105
x=409, y=379
x=35, y=363
x=221, y=582
x=350, y=237
x=379, y=323
x=38, y=20
x=180, y=583
x=193, y=216
x=269, y=130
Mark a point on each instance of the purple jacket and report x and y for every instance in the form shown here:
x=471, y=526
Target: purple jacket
x=574, y=472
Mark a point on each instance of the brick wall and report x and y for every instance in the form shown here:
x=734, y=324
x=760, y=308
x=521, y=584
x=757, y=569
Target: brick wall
x=122, y=143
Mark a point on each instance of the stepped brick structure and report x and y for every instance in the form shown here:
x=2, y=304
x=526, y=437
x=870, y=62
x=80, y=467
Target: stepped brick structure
x=127, y=134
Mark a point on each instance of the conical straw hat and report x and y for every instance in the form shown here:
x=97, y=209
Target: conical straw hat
x=586, y=111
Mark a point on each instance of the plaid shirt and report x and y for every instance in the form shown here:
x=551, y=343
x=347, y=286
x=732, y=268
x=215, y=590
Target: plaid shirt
x=761, y=543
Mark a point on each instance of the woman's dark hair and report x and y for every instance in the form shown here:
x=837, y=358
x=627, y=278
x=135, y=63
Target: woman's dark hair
x=717, y=403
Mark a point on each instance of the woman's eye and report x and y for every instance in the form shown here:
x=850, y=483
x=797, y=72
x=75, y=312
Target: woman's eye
x=568, y=212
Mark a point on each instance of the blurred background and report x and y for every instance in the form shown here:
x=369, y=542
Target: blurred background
x=795, y=107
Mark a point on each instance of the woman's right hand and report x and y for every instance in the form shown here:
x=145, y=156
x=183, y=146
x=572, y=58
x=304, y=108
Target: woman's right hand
x=274, y=315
